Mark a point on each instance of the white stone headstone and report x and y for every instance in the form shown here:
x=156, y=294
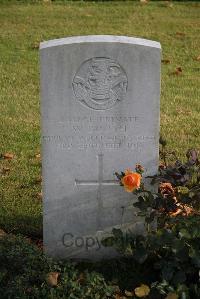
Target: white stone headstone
x=100, y=114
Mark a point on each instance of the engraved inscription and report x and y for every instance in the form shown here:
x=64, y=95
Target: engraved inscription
x=99, y=133
x=100, y=83
x=100, y=142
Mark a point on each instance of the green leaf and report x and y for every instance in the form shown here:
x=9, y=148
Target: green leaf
x=117, y=233
x=140, y=255
x=184, y=233
x=108, y=242
x=195, y=256
x=151, y=217
x=167, y=272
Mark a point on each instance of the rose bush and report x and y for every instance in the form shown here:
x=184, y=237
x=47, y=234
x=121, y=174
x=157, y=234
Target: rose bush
x=171, y=251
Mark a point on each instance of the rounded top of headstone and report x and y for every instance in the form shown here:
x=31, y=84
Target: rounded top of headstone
x=100, y=39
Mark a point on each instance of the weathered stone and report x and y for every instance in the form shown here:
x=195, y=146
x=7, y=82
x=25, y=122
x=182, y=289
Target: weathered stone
x=100, y=114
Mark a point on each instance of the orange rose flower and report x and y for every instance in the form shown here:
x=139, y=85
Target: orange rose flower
x=131, y=180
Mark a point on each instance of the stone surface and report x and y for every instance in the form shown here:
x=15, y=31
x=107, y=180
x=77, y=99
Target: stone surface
x=100, y=114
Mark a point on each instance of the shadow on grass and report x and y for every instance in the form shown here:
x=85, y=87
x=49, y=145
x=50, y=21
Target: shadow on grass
x=123, y=272
x=29, y=226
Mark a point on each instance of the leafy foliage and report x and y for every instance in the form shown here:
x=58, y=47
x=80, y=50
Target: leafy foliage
x=25, y=272
x=171, y=248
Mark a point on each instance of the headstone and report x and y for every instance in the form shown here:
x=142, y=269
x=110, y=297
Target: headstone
x=100, y=114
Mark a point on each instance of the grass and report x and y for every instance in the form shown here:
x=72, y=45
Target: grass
x=24, y=25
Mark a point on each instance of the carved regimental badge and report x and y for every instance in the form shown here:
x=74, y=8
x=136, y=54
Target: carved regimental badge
x=100, y=83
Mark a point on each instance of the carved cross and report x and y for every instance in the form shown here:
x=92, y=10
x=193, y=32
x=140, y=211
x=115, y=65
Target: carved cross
x=100, y=183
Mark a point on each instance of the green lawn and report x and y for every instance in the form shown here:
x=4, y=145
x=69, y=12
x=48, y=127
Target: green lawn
x=23, y=26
